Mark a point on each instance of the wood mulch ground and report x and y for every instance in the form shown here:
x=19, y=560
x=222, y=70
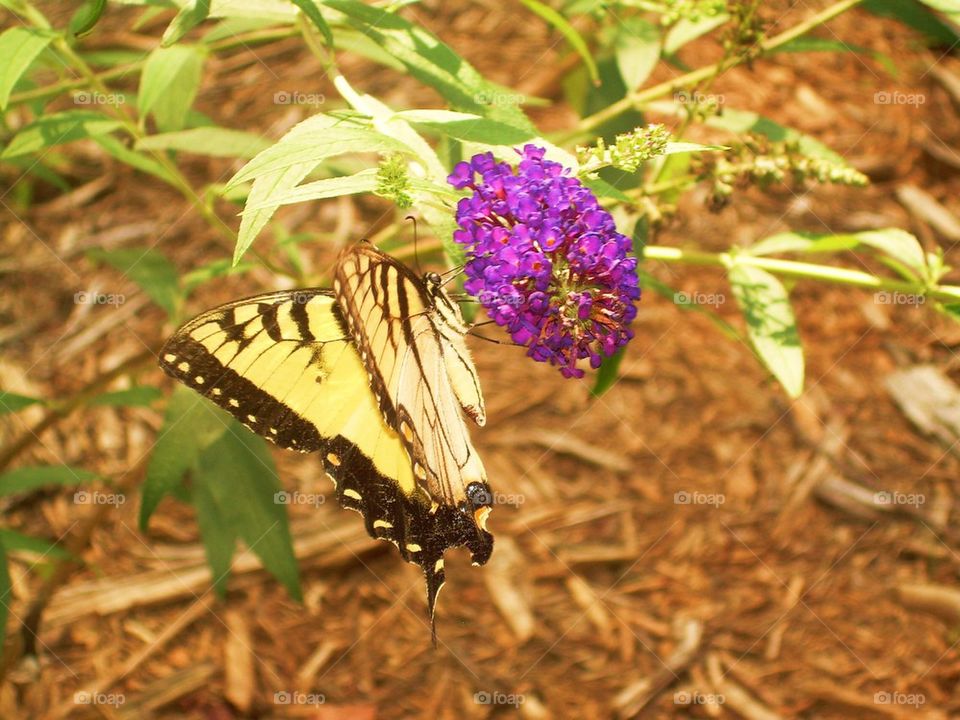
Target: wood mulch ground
x=690, y=544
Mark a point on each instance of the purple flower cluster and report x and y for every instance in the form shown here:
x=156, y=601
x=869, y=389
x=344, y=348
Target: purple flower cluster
x=545, y=259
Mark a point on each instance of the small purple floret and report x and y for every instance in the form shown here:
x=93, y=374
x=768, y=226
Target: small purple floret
x=545, y=260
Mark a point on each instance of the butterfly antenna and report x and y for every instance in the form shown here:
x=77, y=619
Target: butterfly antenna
x=416, y=249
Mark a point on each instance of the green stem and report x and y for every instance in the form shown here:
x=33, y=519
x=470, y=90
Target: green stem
x=638, y=99
x=810, y=271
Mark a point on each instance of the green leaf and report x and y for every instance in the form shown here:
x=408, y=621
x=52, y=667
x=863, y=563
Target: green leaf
x=169, y=84
x=770, y=324
x=361, y=182
x=282, y=167
x=190, y=424
x=26, y=479
x=19, y=47
x=12, y=402
x=803, y=242
x=811, y=43
x=636, y=46
x=149, y=269
x=219, y=538
x=432, y=62
x=134, y=159
x=139, y=396
x=311, y=10
x=212, y=141
x=901, y=247
x=950, y=8
x=191, y=14
x=685, y=31
x=57, y=129
x=14, y=541
x=568, y=31
x=310, y=143
x=914, y=15
x=605, y=189
x=608, y=373
x=467, y=126
x=239, y=474
x=5, y=588
x=86, y=18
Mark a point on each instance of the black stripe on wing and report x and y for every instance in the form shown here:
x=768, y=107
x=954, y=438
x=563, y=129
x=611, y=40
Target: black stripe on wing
x=194, y=366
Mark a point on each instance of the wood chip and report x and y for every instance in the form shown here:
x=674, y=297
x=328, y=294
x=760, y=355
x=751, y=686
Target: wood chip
x=928, y=209
x=929, y=399
x=592, y=606
x=634, y=697
x=790, y=600
x=942, y=601
x=503, y=578
x=569, y=444
x=735, y=696
x=239, y=683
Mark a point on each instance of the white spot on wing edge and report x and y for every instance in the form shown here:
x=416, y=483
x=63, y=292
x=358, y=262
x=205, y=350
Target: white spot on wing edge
x=413, y=547
x=383, y=524
x=351, y=493
x=169, y=357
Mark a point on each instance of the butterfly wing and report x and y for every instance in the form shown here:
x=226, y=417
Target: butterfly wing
x=421, y=381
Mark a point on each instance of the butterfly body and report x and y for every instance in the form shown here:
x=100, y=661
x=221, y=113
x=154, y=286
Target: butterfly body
x=372, y=376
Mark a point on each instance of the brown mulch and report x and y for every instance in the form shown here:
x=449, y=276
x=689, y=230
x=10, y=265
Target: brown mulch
x=606, y=592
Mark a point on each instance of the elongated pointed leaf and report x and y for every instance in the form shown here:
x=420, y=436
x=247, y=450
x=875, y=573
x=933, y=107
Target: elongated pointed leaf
x=212, y=141
x=190, y=424
x=19, y=47
x=432, y=62
x=12, y=402
x=169, y=84
x=190, y=15
x=149, y=269
x=239, y=473
x=608, y=373
x=310, y=9
x=26, y=479
x=57, y=129
x=685, y=31
x=804, y=242
x=568, y=31
x=467, y=126
x=87, y=17
x=361, y=182
x=770, y=324
x=219, y=538
x=14, y=541
x=900, y=246
x=636, y=46
x=135, y=159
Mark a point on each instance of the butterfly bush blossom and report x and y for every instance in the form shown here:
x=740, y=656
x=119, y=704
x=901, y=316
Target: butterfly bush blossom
x=545, y=259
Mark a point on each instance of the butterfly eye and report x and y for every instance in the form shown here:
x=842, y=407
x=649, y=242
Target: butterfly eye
x=431, y=278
